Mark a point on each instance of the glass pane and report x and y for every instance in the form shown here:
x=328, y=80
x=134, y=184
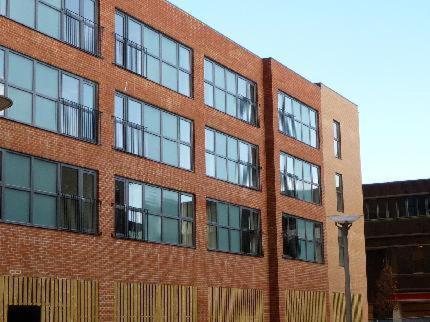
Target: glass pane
x=310, y=252
x=88, y=185
x=2, y=63
x=313, y=118
x=17, y=170
x=209, y=95
x=46, y=80
x=89, y=10
x=170, y=231
x=169, y=76
x=232, y=148
x=220, y=144
x=187, y=233
x=134, y=31
x=211, y=211
x=313, y=139
x=234, y=241
x=151, y=119
x=244, y=152
x=231, y=105
x=170, y=152
x=210, y=138
x=46, y=114
x=219, y=77
x=231, y=82
x=134, y=112
x=3, y=7
x=151, y=41
x=307, y=192
x=212, y=239
x=135, y=195
x=241, y=87
x=185, y=157
x=152, y=147
x=298, y=168
x=153, y=199
x=48, y=21
x=16, y=206
x=184, y=83
x=244, y=175
x=119, y=24
x=306, y=135
x=70, y=88
x=219, y=100
x=223, y=243
x=119, y=192
x=153, y=69
x=233, y=175
x=221, y=168
x=20, y=71
x=222, y=214
x=184, y=58
x=154, y=228
x=44, y=210
x=170, y=203
x=21, y=108
x=185, y=131
x=305, y=115
x=208, y=71
x=187, y=206
x=315, y=174
x=307, y=172
x=44, y=176
x=298, y=130
x=169, y=51
x=170, y=126
x=22, y=11
x=89, y=95
x=69, y=181
x=234, y=217
x=210, y=165
x=1, y=93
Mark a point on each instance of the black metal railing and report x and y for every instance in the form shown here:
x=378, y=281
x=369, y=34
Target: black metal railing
x=129, y=136
x=78, y=214
x=79, y=121
x=81, y=32
x=130, y=55
x=130, y=222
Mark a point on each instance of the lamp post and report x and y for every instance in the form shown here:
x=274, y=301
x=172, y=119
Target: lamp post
x=5, y=103
x=344, y=223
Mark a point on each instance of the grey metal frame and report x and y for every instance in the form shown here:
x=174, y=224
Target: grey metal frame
x=145, y=212
x=255, y=167
x=125, y=124
x=59, y=101
x=339, y=193
x=240, y=230
x=284, y=115
x=337, y=138
x=58, y=195
x=145, y=54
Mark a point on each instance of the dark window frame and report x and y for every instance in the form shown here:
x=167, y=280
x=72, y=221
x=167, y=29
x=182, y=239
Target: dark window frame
x=60, y=196
x=144, y=213
x=144, y=53
x=340, y=202
x=238, y=98
x=337, y=140
x=62, y=105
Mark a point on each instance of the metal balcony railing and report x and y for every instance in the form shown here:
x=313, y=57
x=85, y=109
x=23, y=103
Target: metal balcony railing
x=78, y=214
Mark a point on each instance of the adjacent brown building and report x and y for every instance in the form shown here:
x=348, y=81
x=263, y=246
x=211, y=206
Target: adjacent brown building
x=152, y=169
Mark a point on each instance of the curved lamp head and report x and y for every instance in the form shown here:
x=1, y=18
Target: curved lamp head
x=344, y=219
x=5, y=102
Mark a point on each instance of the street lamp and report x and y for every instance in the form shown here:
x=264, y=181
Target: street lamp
x=344, y=223
x=5, y=103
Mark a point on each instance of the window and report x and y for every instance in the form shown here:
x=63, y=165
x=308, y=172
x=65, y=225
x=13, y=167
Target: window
x=302, y=239
x=150, y=213
x=232, y=228
x=150, y=132
x=297, y=120
x=337, y=140
x=152, y=55
x=300, y=179
x=42, y=193
x=71, y=21
x=229, y=92
x=341, y=249
x=339, y=192
x=231, y=159
x=49, y=98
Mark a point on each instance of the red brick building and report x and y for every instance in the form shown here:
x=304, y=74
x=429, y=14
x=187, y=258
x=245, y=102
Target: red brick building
x=151, y=168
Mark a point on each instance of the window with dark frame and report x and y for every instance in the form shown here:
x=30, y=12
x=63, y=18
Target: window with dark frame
x=49, y=98
x=44, y=193
x=231, y=159
x=339, y=193
x=233, y=228
x=337, y=143
x=300, y=179
x=154, y=214
x=230, y=92
x=396, y=207
x=149, y=53
x=297, y=120
x=153, y=133
x=302, y=239
x=71, y=21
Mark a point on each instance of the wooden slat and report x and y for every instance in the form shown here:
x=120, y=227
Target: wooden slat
x=304, y=306
x=338, y=307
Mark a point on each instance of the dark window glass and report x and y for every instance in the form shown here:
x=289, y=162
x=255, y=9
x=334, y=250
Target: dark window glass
x=232, y=228
x=382, y=208
x=422, y=205
x=401, y=204
x=337, y=139
x=392, y=208
x=412, y=207
x=339, y=192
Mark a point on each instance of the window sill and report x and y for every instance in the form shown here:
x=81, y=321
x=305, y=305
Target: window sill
x=256, y=125
x=119, y=237
x=309, y=202
x=237, y=254
x=235, y=184
x=95, y=234
x=318, y=147
x=287, y=258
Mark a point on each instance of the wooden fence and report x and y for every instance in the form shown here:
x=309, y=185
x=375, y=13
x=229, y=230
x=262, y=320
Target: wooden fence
x=305, y=306
x=338, y=308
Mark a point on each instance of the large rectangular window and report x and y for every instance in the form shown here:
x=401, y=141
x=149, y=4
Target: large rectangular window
x=397, y=207
x=230, y=93
x=150, y=213
x=232, y=228
x=303, y=239
x=150, y=132
x=149, y=53
x=71, y=21
x=300, y=179
x=49, y=98
x=339, y=192
x=337, y=143
x=297, y=120
x=231, y=159
x=47, y=194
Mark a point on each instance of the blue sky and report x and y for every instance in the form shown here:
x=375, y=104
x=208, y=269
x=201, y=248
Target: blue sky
x=376, y=53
